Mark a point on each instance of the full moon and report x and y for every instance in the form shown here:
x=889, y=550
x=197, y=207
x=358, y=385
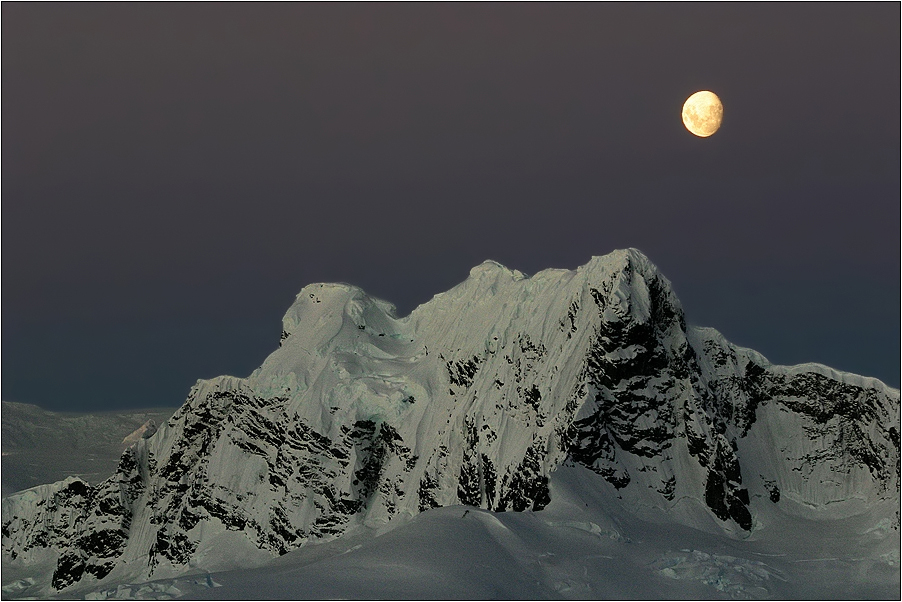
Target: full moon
x=702, y=113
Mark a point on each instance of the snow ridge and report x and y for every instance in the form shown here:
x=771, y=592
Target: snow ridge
x=361, y=418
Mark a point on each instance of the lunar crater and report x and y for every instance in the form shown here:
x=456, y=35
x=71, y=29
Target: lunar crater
x=703, y=113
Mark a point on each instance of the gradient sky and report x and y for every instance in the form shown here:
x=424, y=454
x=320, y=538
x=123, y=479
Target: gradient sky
x=173, y=174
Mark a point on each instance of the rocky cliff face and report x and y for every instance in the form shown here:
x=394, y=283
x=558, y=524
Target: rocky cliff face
x=475, y=398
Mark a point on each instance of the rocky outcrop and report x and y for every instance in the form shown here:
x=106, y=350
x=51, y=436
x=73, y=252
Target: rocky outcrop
x=475, y=398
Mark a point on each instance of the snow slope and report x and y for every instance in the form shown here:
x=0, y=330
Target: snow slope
x=361, y=420
x=585, y=544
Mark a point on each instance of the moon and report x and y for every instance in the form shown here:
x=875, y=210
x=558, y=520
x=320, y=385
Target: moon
x=702, y=113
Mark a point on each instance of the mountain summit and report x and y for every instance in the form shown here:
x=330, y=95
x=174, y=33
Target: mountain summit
x=361, y=418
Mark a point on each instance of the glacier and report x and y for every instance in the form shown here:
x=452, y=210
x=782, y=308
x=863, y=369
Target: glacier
x=502, y=394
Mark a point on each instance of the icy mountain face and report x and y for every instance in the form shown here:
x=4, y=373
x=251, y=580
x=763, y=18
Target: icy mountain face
x=360, y=418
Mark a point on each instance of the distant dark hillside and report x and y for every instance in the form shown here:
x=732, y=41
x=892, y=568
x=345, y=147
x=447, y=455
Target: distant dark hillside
x=42, y=447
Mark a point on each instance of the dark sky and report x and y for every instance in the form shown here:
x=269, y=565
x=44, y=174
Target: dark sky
x=173, y=174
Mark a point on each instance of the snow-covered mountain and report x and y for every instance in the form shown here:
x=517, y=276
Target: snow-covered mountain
x=362, y=419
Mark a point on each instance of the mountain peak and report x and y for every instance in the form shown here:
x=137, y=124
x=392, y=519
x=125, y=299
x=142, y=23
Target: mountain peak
x=492, y=268
x=619, y=260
